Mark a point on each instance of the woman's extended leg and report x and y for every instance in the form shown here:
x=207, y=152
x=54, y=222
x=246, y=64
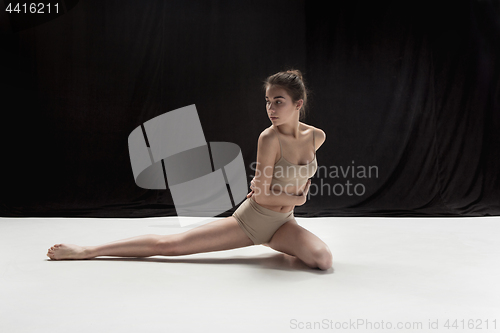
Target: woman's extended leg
x=223, y=234
x=297, y=241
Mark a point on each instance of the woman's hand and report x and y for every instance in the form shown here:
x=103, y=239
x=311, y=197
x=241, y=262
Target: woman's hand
x=303, y=195
x=252, y=187
x=306, y=189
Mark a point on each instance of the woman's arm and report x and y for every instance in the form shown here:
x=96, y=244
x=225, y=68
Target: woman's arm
x=266, y=152
x=303, y=192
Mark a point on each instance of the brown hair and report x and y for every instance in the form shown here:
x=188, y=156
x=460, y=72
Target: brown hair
x=293, y=82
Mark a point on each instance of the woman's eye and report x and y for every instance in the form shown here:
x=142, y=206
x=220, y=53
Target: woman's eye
x=277, y=102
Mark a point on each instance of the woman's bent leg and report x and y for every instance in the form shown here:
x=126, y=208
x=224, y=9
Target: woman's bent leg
x=223, y=234
x=293, y=239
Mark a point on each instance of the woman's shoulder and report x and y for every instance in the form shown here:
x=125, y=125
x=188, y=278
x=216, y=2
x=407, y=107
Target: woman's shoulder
x=319, y=134
x=268, y=145
x=267, y=137
x=267, y=134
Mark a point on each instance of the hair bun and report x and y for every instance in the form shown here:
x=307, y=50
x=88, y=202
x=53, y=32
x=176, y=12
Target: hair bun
x=296, y=72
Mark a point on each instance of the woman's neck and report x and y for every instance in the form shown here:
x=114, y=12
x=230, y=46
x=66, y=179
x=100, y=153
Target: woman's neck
x=291, y=130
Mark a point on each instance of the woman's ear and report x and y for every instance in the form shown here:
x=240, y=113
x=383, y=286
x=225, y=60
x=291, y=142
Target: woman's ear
x=300, y=102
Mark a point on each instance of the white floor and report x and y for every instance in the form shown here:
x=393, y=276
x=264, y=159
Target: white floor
x=411, y=273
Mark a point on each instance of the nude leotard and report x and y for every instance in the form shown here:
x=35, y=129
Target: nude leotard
x=260, y=223
x=289, y=174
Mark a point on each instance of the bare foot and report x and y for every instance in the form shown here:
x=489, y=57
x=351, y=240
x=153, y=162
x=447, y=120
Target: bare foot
x=68, y=251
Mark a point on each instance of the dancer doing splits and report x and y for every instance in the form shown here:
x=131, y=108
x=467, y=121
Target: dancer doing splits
x=286, y=160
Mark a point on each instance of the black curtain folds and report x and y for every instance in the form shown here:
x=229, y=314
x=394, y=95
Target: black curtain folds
x=408, y=94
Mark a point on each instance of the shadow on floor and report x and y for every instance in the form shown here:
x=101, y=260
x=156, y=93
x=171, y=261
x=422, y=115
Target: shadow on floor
x=278, y=261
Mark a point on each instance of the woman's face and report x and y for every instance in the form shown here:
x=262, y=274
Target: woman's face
x=280, y=107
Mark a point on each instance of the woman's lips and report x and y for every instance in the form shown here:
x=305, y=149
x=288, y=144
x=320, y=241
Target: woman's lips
x=273, y=118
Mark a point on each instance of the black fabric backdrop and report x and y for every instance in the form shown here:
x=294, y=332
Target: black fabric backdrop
x=410, y=89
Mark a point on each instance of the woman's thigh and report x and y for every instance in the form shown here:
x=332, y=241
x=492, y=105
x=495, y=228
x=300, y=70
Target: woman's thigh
x=223, y=234
x=293, y=239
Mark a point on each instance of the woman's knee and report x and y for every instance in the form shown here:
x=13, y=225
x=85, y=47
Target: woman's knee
x=168, y=245
x=323, y=257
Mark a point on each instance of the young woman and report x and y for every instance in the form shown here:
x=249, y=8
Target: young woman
x=286, y=159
